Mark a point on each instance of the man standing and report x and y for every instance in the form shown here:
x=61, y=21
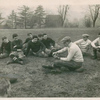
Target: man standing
x=84, y=44
x=36, y=46
x=74, y=59
x=96, y=47
x=5, y=48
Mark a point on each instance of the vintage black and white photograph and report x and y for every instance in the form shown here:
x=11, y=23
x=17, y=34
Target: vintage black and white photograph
x=49, y=49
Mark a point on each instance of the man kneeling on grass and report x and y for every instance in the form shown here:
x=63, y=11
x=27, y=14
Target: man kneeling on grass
x=37, y=47
x=74, y=59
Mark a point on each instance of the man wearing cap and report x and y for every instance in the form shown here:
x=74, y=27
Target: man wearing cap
x=96, y=47
x=17, y=54
x=74, y=59
x=5, y=48
x=84, y=43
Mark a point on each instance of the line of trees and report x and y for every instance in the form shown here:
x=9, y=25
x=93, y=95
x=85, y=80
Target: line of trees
x=27, y=18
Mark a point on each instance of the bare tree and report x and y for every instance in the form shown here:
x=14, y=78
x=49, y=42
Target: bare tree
x=87, y=21
x=1, y=19
x=63, y=10
x=94, y=12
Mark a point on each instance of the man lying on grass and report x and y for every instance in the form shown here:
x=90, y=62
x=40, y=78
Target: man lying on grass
x=37, y=47
x=74, y=59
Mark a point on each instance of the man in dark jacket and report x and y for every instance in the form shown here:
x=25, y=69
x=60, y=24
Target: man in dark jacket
x=36, y=46
x=30, y=36
x=50, y=45
x=25, y=44
x=16, y=43
x=5, y=48
x=48, y=42
x=17, y=54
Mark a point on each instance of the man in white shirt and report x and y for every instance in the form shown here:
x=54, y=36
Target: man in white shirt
x=96, y=46
x=74, y=59
x=84, y=44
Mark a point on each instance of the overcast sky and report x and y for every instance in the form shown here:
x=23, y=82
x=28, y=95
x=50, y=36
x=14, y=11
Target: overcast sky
x=77, y=7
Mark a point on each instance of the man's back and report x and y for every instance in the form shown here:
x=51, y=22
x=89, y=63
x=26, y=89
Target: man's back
x=75, y=52
x=84, y=45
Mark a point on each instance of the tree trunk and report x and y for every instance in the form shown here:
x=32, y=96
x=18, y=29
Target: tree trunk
x=94, y=23
x=25, y=21
x=15, y=22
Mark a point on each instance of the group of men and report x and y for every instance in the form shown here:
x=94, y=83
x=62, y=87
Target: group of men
x=76, y=51
x=43, y=46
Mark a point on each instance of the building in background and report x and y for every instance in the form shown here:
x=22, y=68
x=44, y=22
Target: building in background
x=53, y=21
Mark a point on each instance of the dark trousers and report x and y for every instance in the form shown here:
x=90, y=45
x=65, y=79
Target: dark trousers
x=71, y=65
x=95, y=52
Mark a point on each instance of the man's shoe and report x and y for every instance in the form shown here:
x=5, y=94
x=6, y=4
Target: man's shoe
x=94, y=58
x=98, y=59
x=47, y=66
x=20, y=62
x=81, y=69
x=9, y=62
x=56, y=71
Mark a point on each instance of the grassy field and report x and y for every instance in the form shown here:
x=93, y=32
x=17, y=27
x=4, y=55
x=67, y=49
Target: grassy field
x=33, y=81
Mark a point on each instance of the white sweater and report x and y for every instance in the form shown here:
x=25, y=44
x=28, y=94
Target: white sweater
x=96, y=41
x=84, y=45
x=74, y=53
